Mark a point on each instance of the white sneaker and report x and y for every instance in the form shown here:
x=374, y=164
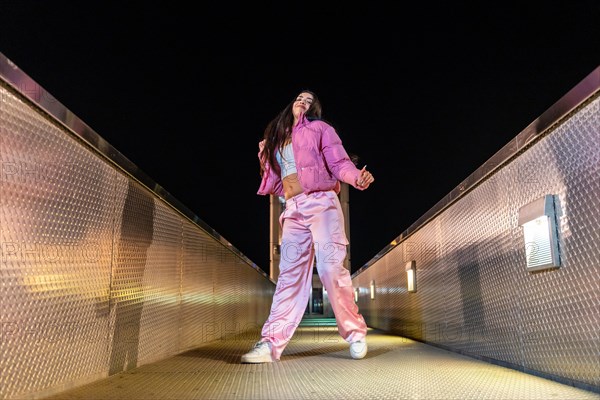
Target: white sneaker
x=260, y=353
x=358, y=349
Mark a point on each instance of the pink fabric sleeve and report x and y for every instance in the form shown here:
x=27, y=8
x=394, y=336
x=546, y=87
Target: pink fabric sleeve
x=337, y=158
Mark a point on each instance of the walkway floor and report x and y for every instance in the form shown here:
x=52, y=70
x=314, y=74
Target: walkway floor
x=317, y=365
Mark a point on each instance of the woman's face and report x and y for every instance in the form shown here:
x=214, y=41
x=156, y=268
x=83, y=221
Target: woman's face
x=302, y=104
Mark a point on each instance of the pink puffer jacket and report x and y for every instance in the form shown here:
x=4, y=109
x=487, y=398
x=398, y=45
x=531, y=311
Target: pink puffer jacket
x=321, y=160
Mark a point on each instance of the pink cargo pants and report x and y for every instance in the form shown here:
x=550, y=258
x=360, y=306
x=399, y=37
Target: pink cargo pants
x=313, y=225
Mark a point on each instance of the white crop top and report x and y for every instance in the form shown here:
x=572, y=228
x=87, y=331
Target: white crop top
x=287, y=164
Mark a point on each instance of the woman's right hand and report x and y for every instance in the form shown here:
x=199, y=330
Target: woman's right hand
x=365, y=178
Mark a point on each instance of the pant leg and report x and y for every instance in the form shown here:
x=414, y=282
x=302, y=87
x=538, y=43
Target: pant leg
x=293, y=285
x=330, y=243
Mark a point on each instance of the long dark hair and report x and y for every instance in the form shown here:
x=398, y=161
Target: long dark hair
x=279, y=130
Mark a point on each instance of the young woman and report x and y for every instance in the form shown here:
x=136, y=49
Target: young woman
x=302, y=158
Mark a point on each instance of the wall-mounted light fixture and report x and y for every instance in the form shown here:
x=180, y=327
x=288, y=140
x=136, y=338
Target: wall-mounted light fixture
x=372, y=290
x=411, y=276
x=540, y=232
x=356, y=295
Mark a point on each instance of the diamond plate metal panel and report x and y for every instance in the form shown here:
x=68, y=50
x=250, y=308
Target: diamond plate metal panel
x=197, y=293
x=222, y=296
x=146, y=278
x=560, y=311
x=56, y=211
x=162, y=287
x=253, y=303
x=99, y=274
x=475, y=295
x=481, y=316
x=227, y=289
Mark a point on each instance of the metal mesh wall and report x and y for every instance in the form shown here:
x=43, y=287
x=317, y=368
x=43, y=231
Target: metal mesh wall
x=474, y=294
x=98, y=274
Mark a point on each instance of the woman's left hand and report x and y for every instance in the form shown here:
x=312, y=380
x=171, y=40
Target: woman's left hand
x=365, y=178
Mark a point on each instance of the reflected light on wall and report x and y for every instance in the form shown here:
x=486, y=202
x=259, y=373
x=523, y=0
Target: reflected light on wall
x=373, y=290
x=540, y=233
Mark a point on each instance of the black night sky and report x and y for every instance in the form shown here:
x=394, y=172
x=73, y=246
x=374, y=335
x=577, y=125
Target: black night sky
x=423, y=94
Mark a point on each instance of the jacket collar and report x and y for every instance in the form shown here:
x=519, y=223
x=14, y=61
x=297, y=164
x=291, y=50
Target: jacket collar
x=301, y=122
